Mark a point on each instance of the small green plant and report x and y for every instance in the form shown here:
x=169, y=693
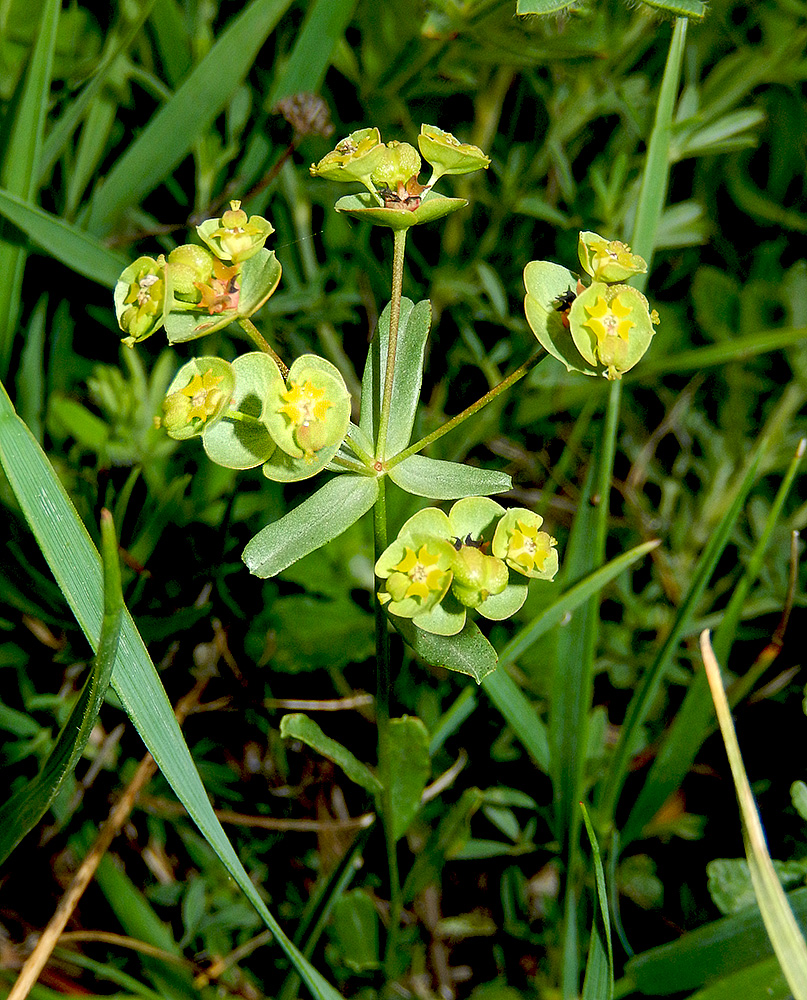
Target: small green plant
x=294, y=421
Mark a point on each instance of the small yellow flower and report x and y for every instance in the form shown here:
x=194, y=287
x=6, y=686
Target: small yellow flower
x=529, y=547
x=609, y=320
x=204, y=395
x=425, y=575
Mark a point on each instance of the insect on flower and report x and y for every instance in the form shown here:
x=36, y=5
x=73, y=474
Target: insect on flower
x=472, y=543
x=563, y=303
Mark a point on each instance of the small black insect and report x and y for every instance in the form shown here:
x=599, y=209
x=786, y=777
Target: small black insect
x=564, y=301
x=472, y=543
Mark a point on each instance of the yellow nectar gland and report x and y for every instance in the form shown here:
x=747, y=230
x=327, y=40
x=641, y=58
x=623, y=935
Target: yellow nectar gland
x=609, y=320
x=304, y=403
x=204, y=395
x=424, y=574
x=529, y=547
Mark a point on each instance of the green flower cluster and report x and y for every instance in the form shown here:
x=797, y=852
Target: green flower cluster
x=390, y=173
x=248, y=414
x=442, y=564
x=602, y=328
x=198, y=289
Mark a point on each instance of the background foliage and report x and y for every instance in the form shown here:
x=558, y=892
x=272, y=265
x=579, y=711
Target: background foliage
x=122, y=128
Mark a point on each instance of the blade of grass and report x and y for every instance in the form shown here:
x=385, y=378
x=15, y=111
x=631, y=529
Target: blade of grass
x=694, y=719
x=706, y=954
x=324, y=25
x=76, y=566
x=655, y=180
x=502, y=690
x=651, y=682
x=573, y=678
x=25, y=809
x=600, y=965
x=787, y=940
x=172, y=131
x=118, y=42
x=18, y=172
x=73, y=247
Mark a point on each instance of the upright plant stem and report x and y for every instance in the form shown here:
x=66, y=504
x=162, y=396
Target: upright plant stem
x=399, y=246
x=383, y=669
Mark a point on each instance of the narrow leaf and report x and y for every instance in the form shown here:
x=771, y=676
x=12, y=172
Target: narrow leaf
x=655, y=179
x=68, y=244
x=543, y=6
x=322, y=30
x=171, y=133
x=299, y=727
x=520, y=715
x=18, y=172
x=709, y=952
x=648, y=688
x=77, y=568
x=27, y=807
x=786, y=938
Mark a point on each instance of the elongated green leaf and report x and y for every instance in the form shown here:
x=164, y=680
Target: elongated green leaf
x=656, y=176
x=439, y=480
x=116, y=43
x=171, y=133
x=299, y=727
x=573, y=669
x=570, y=599
x=649, y=686
x=405, y=770
x=73, y=247
x=695, y=716
x=761, y=981
x=695, y=9
x=542, y=6
x=787, y=939
x=139, y=921
x=735, y=349
x=18, y=169
x=324, y=26
x=445, y=842
x=413, y=331
x=599, y=981
x=467, y=652
x=710, y=952
x=25, y=809
x=520, y=715
x=77, y=568
x=320, y=518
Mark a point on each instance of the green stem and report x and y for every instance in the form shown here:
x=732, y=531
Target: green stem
x=359, y=452
x=394, y=319
x=383, y=688
x=244, y=418
x=469, y=411
x=261, y=343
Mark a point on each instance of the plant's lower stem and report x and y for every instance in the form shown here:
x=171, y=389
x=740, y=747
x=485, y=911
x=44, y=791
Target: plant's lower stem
x=469, y=411
x=383, y=688
x=262, y=343
x=399, y=246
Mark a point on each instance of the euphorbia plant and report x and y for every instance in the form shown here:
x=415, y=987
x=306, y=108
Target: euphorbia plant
x=294, y=421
